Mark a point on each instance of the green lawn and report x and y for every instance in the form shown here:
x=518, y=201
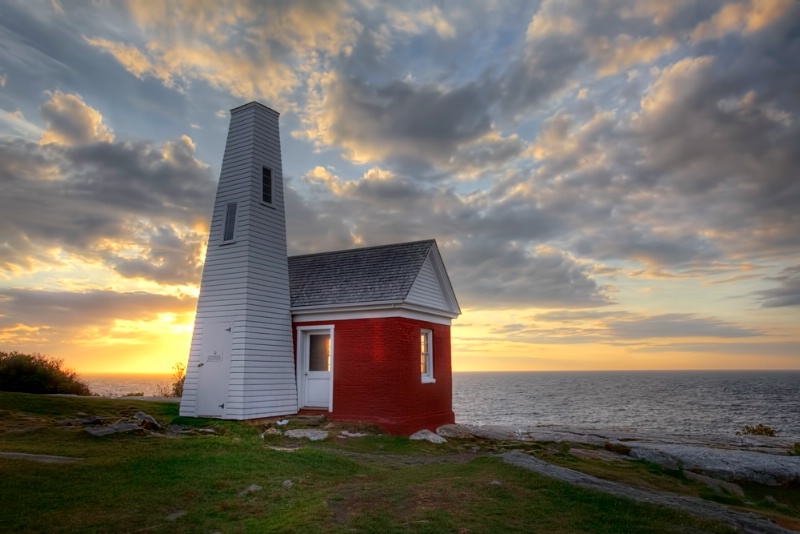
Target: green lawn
x=131, y=483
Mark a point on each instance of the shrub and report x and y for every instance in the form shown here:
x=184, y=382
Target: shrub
x=134, y=394
x=758, y=430
x=176, y=388
x=35, y=373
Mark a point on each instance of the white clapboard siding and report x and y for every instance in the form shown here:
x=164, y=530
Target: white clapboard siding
x=246, y=282
x=427, y=290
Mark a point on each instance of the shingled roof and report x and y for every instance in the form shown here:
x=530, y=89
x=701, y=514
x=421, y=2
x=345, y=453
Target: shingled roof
x=373, y=274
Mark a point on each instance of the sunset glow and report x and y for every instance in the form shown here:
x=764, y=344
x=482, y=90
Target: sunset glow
x=611, y=186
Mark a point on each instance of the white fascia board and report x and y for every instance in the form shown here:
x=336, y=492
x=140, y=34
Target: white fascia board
x=372, y=306
x=314, y=315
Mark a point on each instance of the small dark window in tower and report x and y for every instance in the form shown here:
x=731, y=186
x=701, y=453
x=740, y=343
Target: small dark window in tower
x=266, y=185
x=230, y=222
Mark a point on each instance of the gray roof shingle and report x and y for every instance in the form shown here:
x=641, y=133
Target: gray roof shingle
x=373, y=274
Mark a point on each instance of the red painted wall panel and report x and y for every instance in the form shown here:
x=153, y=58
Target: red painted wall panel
x=377, y=375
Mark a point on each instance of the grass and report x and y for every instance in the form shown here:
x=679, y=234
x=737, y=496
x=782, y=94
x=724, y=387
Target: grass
x=131, y=483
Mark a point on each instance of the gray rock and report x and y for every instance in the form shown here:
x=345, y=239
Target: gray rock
x=500, y=433
x=741, y=521
x=665, y=460
x=116, y=428
x=455, y=431
x=176, y=515
x=598, y=454
x=287, y=484
x=252, y=488
x=496, y=483
x=724, y=464
x=427, y=435
x=305, y=433
x=147, y=421
x=769, y=499
x=348, y=434
x=720, y=486
x=271, y=432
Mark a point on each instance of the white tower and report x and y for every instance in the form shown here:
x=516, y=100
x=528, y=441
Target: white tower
x=241, y=364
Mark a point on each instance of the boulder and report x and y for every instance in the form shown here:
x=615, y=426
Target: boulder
x=147, y=421
x=305, y=433
x=427, y=435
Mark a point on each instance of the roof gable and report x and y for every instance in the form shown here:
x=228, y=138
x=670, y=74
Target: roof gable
x=374, y=274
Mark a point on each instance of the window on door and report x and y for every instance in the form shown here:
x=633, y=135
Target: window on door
x=426, y=355
x=319, y=352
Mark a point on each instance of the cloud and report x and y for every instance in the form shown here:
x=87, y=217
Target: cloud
x=746, y=17
x=786, y=294
x=141, y=207
x=71, y=122
x=48, y=315
x=677, y=325
x=257, y=51
x=400, y=119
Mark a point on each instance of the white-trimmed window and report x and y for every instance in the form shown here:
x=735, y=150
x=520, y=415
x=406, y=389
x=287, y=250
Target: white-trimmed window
x=229, y=226
x=426, y=355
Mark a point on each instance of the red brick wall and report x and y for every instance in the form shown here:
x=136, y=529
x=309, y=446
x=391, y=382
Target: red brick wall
x=376, y=366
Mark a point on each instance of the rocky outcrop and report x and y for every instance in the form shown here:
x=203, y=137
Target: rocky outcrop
x=741, y=521
x=724, y=464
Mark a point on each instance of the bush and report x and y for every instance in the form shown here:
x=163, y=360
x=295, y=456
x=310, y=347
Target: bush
x=35, y=373
x=758, y=430
x=176, y=388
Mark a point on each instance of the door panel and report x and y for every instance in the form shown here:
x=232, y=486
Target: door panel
x=317, y=365
x=212, y=385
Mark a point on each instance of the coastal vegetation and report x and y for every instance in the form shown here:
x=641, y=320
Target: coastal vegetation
x=36, y=373
x=757, y=430
x=233, y=477
x=175, y=389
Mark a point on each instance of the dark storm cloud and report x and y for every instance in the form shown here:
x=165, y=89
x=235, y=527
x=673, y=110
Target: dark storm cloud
x=786, y=294
x=677, y=325
x=64, y=310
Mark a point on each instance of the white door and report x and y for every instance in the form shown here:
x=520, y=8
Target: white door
x=214, y=366
x=317, y=369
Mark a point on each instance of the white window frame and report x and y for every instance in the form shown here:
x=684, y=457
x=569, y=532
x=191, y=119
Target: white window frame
x=427, y=377
x=225, y=223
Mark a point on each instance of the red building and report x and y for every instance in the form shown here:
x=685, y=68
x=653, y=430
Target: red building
x=372, y=335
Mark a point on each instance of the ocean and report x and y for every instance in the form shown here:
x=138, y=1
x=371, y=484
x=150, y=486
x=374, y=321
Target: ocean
x=686, y=402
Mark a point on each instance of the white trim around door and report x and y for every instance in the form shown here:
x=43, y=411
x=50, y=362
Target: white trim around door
x=314, y=369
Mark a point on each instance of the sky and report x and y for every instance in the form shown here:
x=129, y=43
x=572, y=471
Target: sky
x=612, y=184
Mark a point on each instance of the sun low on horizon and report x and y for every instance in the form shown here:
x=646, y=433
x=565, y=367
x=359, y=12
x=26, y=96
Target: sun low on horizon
x=611, y=187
